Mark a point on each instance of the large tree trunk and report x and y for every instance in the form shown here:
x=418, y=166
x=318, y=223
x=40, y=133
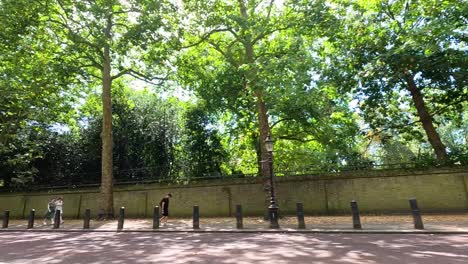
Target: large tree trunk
x=426, y=120
x=107, y=199
x=262, y=113
x=264, y=131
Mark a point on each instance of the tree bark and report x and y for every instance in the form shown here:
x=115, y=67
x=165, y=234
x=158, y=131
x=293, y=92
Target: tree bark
x=427, y=121
x=106, y=134
x=262, y=114
x=264, y=131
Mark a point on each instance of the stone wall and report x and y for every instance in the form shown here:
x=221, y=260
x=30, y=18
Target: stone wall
x=388, y=191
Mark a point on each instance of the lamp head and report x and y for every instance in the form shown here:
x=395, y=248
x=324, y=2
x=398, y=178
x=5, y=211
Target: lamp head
x=269, y=143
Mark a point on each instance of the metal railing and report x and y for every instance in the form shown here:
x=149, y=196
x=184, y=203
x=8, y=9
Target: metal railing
x=149, y=175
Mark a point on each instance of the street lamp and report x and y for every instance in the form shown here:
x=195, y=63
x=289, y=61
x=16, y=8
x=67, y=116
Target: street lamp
x=272, y=209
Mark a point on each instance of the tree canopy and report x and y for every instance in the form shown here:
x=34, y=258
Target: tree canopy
x=94, y=92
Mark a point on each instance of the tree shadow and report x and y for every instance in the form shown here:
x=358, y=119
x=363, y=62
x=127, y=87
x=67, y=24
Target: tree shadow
x=148, y=247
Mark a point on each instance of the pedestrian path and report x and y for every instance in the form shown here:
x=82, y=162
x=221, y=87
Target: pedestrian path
x=453, y=223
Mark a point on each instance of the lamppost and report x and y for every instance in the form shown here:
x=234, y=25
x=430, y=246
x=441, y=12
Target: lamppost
x=272, y=209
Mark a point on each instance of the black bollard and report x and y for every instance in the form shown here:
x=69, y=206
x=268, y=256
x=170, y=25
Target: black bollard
x=156, y=217
x=300, y=216
x=31, y=218
x=239, y=217
x=57, y=219
x=356, y=218
x=6, y=219
x=87, y=218
x=273, y=216
x=120, y=224
x=418, y=223
x=196, y=217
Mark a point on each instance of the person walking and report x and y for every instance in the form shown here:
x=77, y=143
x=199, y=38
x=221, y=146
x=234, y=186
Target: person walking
x=164, y=204
x=50, y=212
x=59, y=206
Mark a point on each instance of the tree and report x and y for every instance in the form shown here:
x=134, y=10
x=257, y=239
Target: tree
x=257, y=54
x=36, y=87
x=455, y=134
x=147, y=131
x=203, y=151
x=241, y=41
x=404, y=60
x=108, y=39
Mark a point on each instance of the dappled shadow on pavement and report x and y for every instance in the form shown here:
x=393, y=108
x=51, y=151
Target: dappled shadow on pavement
x=112, y=247
x=451, y=222
x=72, y=224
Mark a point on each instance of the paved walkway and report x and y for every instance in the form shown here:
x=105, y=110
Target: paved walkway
x=230, y=248
x=454, y=223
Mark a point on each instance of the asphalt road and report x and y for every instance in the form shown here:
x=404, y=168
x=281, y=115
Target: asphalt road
x=174, y=248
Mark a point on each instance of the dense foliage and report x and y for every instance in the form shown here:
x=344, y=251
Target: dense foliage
x=338, y=85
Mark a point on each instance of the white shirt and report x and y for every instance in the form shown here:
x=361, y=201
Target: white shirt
x=59, y=205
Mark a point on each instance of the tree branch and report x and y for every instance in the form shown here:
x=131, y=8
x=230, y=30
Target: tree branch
x=118, y=75
x=295, y=138
x=268, y=32
x=279, y=121
x=131, y=10
x=93, y=60
x=269, y=9
x=224, y=53
x=93, y=75
x=145, y=78
x=121, y=25
x=390, y=14
x=463, y=98
x=206, y=37
x=79, y=39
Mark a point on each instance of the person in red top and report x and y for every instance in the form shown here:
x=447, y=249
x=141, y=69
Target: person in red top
x=164, y=204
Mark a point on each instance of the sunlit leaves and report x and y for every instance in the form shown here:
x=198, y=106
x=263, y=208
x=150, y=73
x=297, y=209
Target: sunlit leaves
x=383, y=42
